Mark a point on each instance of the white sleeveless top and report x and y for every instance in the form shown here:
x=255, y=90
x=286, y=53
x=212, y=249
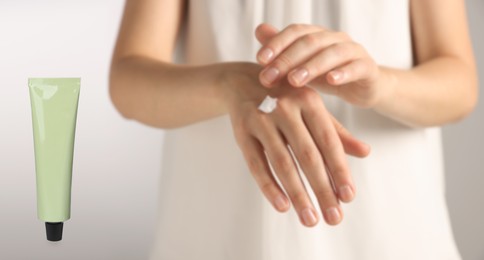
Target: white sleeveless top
x=210, y=206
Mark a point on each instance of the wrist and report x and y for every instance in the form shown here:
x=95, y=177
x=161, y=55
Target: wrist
x=387, y=83
x=230, y=78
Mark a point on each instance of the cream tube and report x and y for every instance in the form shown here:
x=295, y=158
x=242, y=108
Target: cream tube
x=54, y=111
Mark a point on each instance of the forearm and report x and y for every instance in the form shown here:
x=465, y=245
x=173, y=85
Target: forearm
x=437, y=92
x=166, y=95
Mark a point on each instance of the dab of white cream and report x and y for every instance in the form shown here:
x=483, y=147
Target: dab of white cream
x=268, y=104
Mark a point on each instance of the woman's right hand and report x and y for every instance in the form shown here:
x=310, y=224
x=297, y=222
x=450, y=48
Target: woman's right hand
x=300, y=121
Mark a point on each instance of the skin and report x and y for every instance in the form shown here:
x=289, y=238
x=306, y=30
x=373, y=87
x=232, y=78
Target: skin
x=442, y=87
x=315, y=137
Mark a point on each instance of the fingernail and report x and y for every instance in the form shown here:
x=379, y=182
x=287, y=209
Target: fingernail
x=280, y=203
x=270, y=74
x=333, y=216
x=346, y=193
x=266, y=55
x=299, y=76
x=337, y=76
x=308, y=217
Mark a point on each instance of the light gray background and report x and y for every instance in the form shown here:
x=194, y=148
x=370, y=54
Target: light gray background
x=117, y=162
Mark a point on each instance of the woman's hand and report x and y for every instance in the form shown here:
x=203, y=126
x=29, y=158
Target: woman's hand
x=301, y=122
x=328, y=60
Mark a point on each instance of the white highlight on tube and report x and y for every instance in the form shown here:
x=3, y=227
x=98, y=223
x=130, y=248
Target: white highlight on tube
x=268, y=104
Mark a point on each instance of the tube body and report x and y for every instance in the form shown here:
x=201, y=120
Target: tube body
x=54, y=104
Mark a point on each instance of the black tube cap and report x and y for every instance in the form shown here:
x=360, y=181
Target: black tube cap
x=54, y=231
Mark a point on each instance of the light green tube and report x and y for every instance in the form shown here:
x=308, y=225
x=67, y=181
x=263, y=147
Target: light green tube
x=54, y=111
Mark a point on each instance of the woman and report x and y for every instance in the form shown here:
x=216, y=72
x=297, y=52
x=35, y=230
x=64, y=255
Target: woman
x=390, y=71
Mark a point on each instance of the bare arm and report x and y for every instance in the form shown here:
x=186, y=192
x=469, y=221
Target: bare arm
x=441, y=88
x=146, y=86
x=144, y=83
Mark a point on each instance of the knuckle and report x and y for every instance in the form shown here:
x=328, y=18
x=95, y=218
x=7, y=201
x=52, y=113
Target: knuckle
x=309, y=40
x=283, y=164
x=341, y=50
x=310, y=157
x=284, y=101
x=360, y=68
x=339, y=127
x=285, y=107
x=296, y=27
x=325, y=195
x=340, y=170
x=359, y=47
x=308, y=95
x=343, y=35
x=283, y=62
x=254, y=165
x=326, y=34
x=328, y=140
x=266, y=187
x=240, y=137
x=366, y=66
x=259, y=121
x=276, y=44
x=312, y=110
x=242, y=128
x=238, y=132
x=299, y=196
x=357, y=50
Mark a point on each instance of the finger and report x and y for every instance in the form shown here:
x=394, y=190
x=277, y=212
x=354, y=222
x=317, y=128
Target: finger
x=311, y=162
x=264, y=32
x=333, y=56
x=301, y=50
x=282, y=40
x=324, y=134
x=286, y=171
x=351, y=145
x=257, y=162
x=353, y=71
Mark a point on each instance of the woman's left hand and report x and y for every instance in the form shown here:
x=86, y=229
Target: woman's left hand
x=328, y=60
